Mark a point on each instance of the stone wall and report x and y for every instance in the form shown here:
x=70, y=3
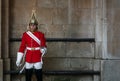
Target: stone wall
x=98, y=19
x=58, y=19
x=110, y=67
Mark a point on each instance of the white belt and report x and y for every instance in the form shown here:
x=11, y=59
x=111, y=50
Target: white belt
x=33, y=48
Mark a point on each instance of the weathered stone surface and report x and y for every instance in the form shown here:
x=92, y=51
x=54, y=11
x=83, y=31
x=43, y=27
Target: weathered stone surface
x=56, y=49
x=110, y=70
x=114, y=49
x=80, y=64
x=113, y=29
x=55, y=31
x=20, y=16
x=45, y=15
x=18, y=78
x=83, y=16
x=46, y=3
x=52, y=3
x=22, y=3
x=80, y=50
x=14, y=47
x=55, y=64
x=79, y=31
x=13, y=62
x=6, y=67
x=83, y=4
x=48, y=78
x=113, y=3
x=60, y=16
x=67, y=64
x=68, y=78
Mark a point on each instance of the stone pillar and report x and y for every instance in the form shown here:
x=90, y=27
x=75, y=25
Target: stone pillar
x=5, y=38
x=1, y=62
x=101, y=35
x=99, y=29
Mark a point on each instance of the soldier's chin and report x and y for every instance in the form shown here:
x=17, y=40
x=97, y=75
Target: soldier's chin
x=32, y=30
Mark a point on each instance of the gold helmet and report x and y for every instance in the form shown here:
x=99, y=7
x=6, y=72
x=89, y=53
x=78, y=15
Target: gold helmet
x=33, y=19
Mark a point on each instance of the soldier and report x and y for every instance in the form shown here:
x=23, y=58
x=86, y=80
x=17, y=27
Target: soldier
x=34, y=42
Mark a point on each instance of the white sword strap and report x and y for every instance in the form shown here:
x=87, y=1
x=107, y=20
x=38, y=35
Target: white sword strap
x=33, y=37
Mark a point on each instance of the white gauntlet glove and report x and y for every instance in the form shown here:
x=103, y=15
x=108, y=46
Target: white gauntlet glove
x=43, y=50
x=19, y=58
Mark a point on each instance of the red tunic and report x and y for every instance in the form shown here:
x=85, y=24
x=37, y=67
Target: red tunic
x=32, y=56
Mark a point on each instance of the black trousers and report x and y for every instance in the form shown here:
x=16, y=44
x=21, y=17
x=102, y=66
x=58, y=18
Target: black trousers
x=29, y=72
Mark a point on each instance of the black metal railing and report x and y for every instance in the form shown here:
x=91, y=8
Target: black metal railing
x=63, y=72
x=60, y=39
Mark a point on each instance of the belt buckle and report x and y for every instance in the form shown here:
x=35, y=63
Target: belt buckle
x=32, y=49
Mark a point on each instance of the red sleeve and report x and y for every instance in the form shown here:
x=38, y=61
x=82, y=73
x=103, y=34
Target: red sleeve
x=23, y=44
x=43, y=41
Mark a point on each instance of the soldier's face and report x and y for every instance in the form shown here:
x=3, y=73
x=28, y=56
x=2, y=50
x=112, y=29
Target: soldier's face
x=33, y=27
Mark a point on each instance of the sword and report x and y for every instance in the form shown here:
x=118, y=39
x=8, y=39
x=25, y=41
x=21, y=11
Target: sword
x=22, y=69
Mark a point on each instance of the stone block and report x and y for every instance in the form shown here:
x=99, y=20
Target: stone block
x=98, y=51
x=60, y=78
x=20, y=16
x=80, y=64
x=22, y=3
x=52, y=3
x=44, y=15
x=96, y=78
x=98, y=4
x=110, y=16
x=113, y=3
x=72, y=78
x=46, y=3
x=83, y=16
x=47, y=78
x=18, y=78
x=61, y=3
x=109, y=4
x=97, y=65
x=80, y=49
x=14, y=47
x=83, y=4
x=116, y=4
x=52, y=63
x=110, y=70
x=79, y=31
x=81, y=78
x=16, y=31
x=67, y=64
x=114, y=49
x=56, y=49
x=60, y=16
x=53, y=31
x=113, y=32
x=113, y=16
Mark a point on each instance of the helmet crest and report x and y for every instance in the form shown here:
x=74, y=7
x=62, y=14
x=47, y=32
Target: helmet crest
x=33, y=19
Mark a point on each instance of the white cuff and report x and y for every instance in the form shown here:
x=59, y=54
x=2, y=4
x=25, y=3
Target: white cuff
x=43, y=50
